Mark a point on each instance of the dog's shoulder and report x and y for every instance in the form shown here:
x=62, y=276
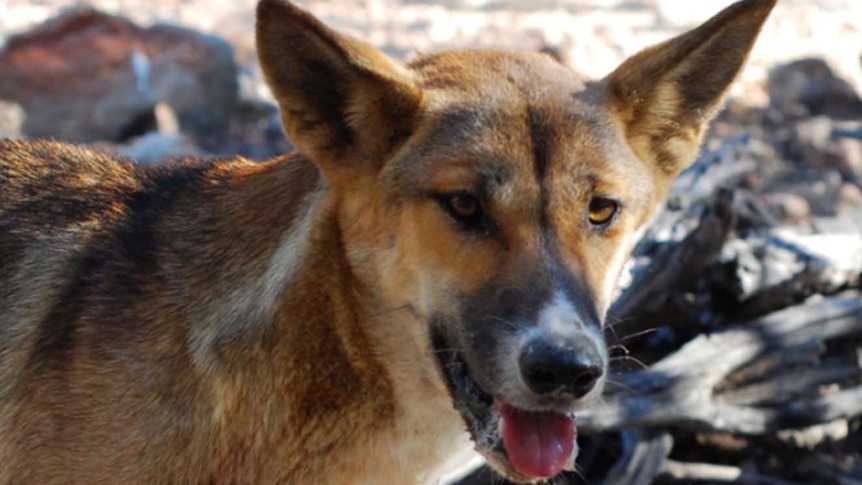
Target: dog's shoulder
x=71, y=202
x=50, y=170
x=54, y=184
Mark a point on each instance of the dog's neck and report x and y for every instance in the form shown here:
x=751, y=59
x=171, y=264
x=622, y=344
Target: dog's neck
x=259, y=220
x=298, y=305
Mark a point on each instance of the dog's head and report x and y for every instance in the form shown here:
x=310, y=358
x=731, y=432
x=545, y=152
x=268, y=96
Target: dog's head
x=495, y=195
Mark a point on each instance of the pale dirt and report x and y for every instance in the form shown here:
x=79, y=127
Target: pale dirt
x=593, y=35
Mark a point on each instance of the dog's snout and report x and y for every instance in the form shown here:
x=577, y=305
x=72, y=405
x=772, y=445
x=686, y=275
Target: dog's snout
x=573, y=368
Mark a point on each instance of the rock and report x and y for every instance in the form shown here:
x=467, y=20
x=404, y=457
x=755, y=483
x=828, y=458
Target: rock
x=850, y=159
x=787, y=207
x=86, y=75
x=815, y=132
x=850, y=196
x=849, y=141
x=11, y=119
x=809, y=87
x=820, y=142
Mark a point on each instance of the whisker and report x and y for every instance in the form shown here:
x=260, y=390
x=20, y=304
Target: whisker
x=616, y=321
x=619, y=347
x=629, y=358
x=622, y=386
x=601, y=402
x=614, y=334
x=577, y=471
x=638, y=334
x=512, y=325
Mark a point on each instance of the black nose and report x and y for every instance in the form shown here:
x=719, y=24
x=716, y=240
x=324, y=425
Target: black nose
x=573, y=368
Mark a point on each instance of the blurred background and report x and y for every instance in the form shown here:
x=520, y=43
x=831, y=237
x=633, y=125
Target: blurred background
x=736, y=337
x=95, y=71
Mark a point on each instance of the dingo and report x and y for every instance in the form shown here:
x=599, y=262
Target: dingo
x=431, y=268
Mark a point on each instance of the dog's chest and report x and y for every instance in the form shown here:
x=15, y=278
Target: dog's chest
x=430, y=445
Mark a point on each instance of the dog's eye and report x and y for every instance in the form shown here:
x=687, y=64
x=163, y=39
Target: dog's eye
x=465, y=208
x=602, y=210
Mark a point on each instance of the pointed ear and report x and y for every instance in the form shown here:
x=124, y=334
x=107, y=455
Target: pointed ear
x=341, y=100
x=665, y=96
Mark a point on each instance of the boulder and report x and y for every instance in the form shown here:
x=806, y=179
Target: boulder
x=86, y=76
x=809, y=87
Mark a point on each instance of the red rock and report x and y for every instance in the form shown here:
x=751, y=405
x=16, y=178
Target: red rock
x=74, y=77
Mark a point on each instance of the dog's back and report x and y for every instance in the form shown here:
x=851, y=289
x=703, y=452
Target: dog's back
x=56, y=201
x=76, y=243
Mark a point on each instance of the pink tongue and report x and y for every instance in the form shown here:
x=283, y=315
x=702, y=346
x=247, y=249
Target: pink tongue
x=537, y=443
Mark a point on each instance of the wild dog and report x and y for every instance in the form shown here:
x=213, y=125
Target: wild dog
x=432, y=267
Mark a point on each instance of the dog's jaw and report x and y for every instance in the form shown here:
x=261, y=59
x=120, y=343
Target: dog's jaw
x=491, y=421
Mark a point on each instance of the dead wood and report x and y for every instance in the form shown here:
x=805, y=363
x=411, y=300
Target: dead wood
x=679, y=390
x=766, y=311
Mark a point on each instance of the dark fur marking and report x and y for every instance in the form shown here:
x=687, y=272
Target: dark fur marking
x=540, y=138
x=325, y=87
x=577, y=292
x=115, y=262
x=458, y=127
x=701, y=89
x=499, y=310
x=55, y=336
x=664, y=158
x=422, y=62
x=570, y=284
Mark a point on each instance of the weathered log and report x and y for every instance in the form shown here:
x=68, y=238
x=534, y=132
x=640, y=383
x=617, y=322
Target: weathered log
x=679, y=390
x=644, y=457
x=772, y=269
x=718, y=473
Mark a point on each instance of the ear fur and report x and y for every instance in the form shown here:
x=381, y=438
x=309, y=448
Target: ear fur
x=665, y=96
x=342, y=101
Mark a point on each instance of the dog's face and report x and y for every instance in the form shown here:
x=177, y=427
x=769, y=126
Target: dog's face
x=495, y=196
x=510, y=213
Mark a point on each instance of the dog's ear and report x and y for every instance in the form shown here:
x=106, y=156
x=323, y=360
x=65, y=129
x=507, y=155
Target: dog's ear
x=343, y=103
x=664, y=96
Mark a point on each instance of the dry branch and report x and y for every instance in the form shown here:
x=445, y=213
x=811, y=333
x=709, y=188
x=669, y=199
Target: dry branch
x=679, y=390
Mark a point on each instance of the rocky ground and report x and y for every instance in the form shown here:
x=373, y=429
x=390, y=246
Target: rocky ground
x=792, y=132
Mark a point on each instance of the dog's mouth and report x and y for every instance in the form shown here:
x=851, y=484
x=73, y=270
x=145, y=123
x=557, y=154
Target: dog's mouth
x=525, y=445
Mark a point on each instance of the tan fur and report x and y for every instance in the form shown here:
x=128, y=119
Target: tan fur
x=233, y=322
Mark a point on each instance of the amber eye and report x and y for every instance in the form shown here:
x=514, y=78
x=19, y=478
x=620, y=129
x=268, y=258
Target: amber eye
x=463, y=205
x=465, y=208
x=602, y=210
